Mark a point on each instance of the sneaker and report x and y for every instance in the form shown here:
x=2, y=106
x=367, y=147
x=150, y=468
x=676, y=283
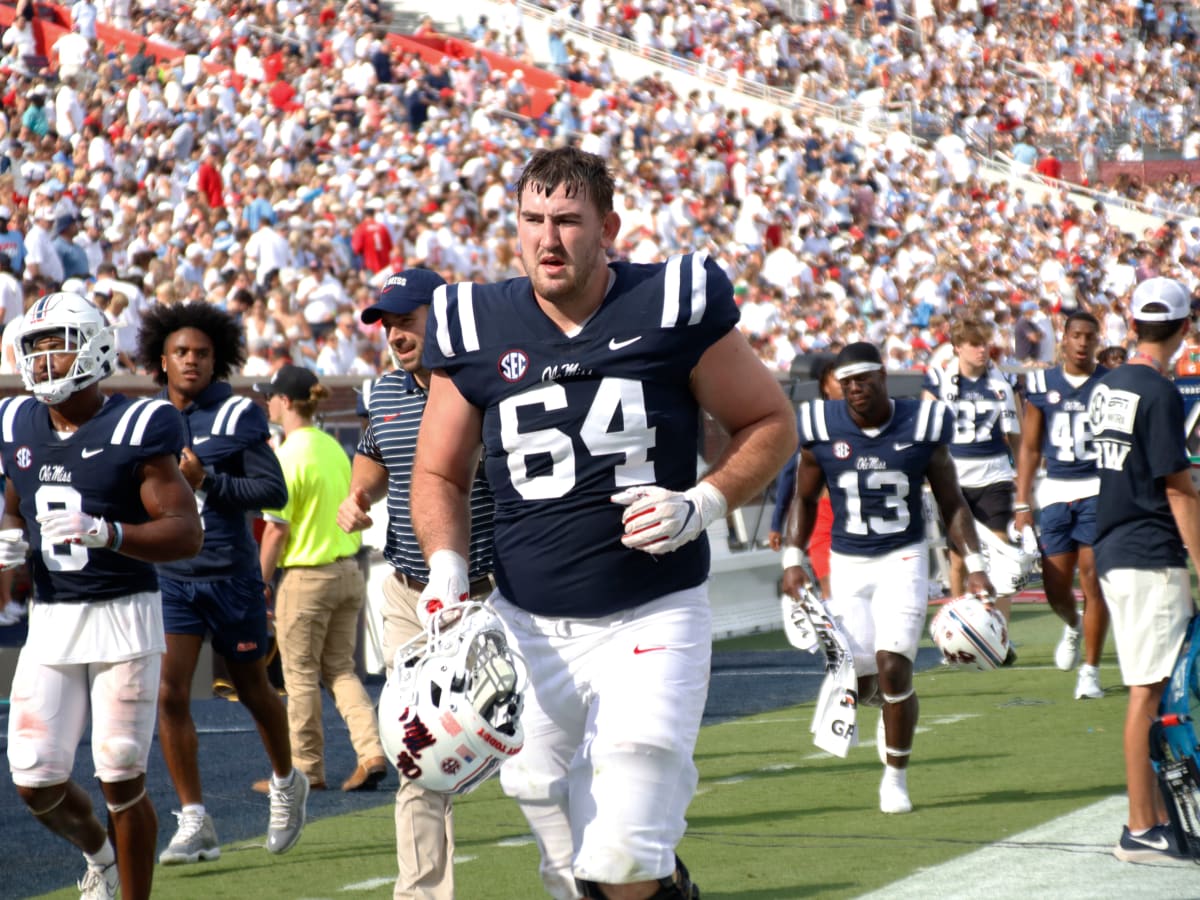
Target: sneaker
x=1066, y=654
x=288, y=812
x=195, y=839
x=893, y=796
x=1087, y=687
x=1157, y=845
x=99, y=883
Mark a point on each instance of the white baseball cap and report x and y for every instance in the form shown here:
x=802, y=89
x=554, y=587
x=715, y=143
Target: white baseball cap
x=1173, y=299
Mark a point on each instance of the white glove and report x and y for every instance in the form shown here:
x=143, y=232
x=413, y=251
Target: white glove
x=448, y=585
x=658, y=520
x=13, y=548
x=68, y=526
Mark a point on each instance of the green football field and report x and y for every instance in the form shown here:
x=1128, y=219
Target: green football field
x=997, y=753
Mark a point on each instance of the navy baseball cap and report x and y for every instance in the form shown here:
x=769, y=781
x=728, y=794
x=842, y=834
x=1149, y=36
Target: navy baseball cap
x=404, y=292
x=289, y=381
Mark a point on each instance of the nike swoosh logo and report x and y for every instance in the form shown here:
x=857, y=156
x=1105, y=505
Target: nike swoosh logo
x=88, y=454
x=899, y=446
x=614, y=344
x=640, y=650
x=1159, y=843
x=201, y=440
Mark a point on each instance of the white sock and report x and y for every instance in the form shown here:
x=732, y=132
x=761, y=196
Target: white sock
x=286, y=781
x=898, y=777
x=102, y=858
x=194, y=809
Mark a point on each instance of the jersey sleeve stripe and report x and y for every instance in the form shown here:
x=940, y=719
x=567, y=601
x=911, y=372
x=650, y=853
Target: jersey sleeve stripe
x=441, y=303
x=466, y=317
x=820, y=427
x=143, y=420
x=805, y=421
x=10, y=415
x=227, y=416
x=118, y=435
x=699, y=287
x=924, y=413
x=672, y=275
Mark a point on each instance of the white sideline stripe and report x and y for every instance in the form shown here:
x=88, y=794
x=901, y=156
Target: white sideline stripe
x=1068, y=858
x=516, y=842
x=370, y=884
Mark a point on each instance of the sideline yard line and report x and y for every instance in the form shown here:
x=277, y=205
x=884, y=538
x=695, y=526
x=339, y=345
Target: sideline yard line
x=1065, y=858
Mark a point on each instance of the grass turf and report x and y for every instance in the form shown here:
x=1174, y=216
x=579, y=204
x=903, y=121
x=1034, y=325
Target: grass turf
x=998, y=753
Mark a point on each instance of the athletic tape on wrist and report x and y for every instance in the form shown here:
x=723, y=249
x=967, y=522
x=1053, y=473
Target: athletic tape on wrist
x=975, y=562
x=793, y=556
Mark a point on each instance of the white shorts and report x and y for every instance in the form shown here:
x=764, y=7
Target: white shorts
x=611, y=721
x=880, y=602
x=49, y=711
x=1150, y=609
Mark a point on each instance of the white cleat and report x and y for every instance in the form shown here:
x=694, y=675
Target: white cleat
x=99, y=883
x=1066, y=654
x=1087, y=687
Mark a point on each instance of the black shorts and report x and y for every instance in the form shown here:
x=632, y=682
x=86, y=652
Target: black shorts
x=992, y=506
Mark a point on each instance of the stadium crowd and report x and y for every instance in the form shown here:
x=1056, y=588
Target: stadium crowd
x=291, y=161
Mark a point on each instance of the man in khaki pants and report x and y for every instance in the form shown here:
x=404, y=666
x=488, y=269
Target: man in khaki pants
x=322, y=591
x=382, y=467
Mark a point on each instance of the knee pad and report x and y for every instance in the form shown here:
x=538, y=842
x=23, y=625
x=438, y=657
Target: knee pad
x=676, y=886
x=119, y=755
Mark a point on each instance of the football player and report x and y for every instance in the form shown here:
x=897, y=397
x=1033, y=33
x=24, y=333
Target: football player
x=583, y=384
x=874, y=454
x=1057, y=428
x=94, y=482
x=986, y=434
x=191, y=349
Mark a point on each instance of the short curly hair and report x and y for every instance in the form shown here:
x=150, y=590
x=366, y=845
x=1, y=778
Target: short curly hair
x=160, y=322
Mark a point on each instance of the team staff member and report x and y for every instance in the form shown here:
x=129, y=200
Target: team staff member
x=583, y=383
x=1146, y=529
x=322, y=590
x=94, y=482
x=383, y=466
x=191, y=349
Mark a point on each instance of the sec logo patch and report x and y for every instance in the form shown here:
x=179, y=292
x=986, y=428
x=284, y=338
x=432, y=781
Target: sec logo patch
x=24, y=457
x=841, y=449
x=513, y=365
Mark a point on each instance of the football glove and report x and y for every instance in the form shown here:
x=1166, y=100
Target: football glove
x=69, y=526
x=13, y=548
x=448, y=584
x=658, y=520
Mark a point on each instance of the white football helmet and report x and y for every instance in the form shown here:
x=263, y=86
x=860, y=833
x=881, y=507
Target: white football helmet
x=970, y=633
x=450, y=712
x=87, y=334
x=1011, y=565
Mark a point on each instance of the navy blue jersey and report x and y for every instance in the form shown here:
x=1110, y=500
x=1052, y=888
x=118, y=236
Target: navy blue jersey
x=1137, y=415
x=94, y=470
x=984, y=409
x=229, y=436
x=1067, y=445
x=875, y=480
x=395, y=404
x=570, y=420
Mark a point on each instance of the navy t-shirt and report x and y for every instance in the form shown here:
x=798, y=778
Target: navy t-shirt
x=1137, y=419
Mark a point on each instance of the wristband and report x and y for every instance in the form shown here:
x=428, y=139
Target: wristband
x=793, y=556
x=1021, y=507
x=975, y=562
x=116, y=536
